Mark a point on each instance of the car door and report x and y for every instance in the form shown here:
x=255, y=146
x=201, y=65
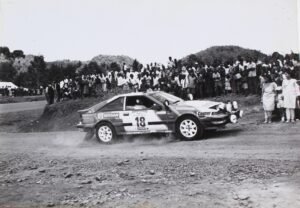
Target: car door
x=143, y=116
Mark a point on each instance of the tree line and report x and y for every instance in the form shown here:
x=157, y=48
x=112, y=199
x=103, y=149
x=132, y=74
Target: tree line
x=41, y=73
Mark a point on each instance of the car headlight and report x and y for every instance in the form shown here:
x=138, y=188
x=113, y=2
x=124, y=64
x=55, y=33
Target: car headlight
x=233, y=118
x=235, y=105
x=241, y=113
x=229, y=107
x=222, y=106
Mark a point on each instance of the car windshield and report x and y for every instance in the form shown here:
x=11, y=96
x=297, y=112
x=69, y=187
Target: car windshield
x=163, y=96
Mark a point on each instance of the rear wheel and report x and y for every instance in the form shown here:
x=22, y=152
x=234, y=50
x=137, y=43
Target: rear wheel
x=105, y=133
x=189, y=128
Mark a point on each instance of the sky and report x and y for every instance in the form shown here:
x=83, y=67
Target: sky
x=149, y=30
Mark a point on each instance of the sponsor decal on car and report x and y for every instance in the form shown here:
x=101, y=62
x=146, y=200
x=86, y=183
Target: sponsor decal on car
x=111, y=115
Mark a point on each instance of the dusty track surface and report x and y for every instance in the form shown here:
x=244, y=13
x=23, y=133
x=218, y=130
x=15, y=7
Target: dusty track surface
x=258, y=167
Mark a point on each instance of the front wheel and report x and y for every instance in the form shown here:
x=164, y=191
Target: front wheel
x=189, y=128
x=105, y=132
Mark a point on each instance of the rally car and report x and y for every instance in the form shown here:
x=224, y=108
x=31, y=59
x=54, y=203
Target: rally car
x=156, y=112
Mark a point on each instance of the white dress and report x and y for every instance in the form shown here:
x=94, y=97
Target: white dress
x=268, y=97
x=290, y=91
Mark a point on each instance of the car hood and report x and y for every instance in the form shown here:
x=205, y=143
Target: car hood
x=199, y=105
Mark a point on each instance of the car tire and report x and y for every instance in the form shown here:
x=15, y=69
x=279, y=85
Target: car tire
x=105, y=133
x=189, y=128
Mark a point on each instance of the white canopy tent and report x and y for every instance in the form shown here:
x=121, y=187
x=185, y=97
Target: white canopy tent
x=8, y=85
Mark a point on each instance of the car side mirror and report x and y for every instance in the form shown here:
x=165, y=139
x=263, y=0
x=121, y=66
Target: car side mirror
x=156, y=107
x=166, y=104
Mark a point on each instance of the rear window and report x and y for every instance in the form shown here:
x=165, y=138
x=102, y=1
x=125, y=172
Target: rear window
x=115, y=105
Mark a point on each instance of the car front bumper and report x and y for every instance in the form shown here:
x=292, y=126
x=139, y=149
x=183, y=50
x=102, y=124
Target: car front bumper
x=85, y=127
x=222, y=120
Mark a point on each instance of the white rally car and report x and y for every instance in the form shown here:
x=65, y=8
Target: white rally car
x=156, y=112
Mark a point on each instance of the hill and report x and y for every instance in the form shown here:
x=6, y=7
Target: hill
x=223, y=54
x=33, y=71
x=108, y=59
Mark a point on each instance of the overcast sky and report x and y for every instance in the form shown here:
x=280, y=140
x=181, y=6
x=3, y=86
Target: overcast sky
x=149, y=30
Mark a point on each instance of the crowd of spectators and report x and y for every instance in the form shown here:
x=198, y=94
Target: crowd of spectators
x=188, y=81
x=20, y=91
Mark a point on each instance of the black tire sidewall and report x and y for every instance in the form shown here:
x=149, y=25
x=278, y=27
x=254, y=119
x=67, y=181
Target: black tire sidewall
x=199, y=133
x=112, y=129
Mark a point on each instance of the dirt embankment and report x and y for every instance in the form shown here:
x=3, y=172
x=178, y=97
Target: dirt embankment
x=62, y=116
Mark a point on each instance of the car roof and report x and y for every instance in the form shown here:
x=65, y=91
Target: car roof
x=133, y=94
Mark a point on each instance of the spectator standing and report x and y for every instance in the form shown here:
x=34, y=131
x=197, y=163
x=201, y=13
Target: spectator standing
x=85, y=83
x=227, y=84
x=58, y=92
x=171, y=63
x=217, y=82
x=191, y=82
x=280, y=103
x=252, y=80
x=104, y=83
x=290, y=91
x=50, y=94
x=268, y=98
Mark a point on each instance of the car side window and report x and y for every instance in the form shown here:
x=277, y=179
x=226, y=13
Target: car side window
x=139, y=103
x=116, y=105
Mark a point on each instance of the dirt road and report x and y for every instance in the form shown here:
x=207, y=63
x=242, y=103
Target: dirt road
x=231, y=168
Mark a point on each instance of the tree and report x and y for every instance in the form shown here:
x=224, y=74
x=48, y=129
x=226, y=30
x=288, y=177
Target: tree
x=38, y=72
x=23, y=79
x=115, y=67
x=136, y=65
x=103, y=68
x=5, y=50
x=7, y=72
x=93, y=67
x=69, y=71
x=192, y=59
x=18, y=54
x=54, y=73
x=276, y=56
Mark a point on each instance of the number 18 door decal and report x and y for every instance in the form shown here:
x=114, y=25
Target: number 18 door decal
x=140, y=122
x=143, y=121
